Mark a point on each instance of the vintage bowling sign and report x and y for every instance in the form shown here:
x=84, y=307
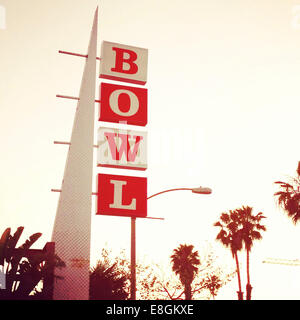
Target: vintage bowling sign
x=118, y=148
x=122, y=196
x=123, y=63
x=126, y=149
x=123, y=104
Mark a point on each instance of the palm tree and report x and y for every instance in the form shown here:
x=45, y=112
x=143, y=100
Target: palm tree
x=184, y=263
x=251, y=228
x=230, y=236
x=289, y=196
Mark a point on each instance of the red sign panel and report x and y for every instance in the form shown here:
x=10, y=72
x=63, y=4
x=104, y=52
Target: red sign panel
x=122, y=196
x=123, y=104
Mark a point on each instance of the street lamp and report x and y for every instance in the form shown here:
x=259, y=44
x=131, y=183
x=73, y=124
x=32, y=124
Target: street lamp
x=199, y=190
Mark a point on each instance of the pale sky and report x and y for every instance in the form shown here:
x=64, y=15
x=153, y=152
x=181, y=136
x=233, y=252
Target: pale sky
x=223, y=81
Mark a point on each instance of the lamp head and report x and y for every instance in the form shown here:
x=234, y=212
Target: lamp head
x=202, y=190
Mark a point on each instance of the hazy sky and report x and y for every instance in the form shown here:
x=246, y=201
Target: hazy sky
x=223, y=81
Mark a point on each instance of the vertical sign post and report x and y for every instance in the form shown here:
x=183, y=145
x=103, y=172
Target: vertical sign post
x=133, y=260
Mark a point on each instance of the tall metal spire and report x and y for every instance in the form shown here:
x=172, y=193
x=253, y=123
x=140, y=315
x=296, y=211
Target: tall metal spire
x=72, y=227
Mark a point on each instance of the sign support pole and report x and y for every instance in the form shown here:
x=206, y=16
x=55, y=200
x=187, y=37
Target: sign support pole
x=133, y=260
x=72, y=225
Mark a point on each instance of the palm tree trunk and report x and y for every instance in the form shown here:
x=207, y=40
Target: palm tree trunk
x=248, y=286
x=188, y=291
x=240, y=293
x=248, y=273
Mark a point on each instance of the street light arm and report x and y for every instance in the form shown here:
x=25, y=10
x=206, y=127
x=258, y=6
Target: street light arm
x=169, y=190
x=195, y=190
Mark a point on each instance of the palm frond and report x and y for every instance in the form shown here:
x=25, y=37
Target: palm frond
x=288, y=198
x=218, y=224
x=32, y=239
x=3, y=244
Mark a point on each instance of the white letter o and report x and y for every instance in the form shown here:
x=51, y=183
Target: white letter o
x=114, y=103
